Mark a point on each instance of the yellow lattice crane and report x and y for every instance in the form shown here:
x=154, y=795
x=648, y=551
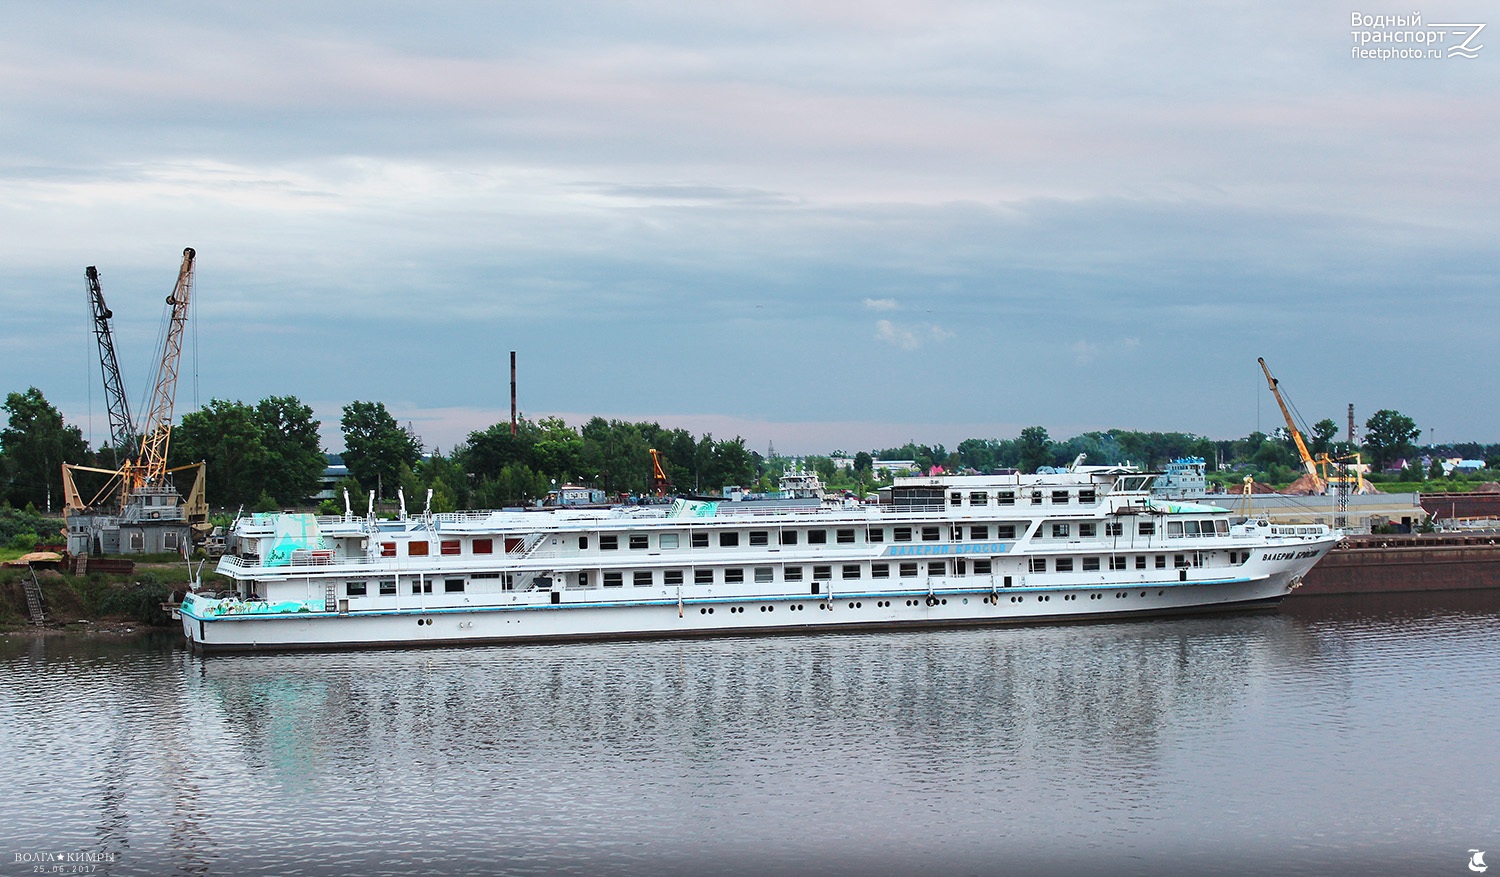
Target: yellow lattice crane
x=147, y=498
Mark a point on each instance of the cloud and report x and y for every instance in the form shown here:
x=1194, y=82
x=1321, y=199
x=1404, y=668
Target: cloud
x=910, y=337
x=1084, y=351
x=881, y=304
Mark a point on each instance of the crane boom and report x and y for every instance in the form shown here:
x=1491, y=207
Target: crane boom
x=121, y=430
x=156, y=429
x=1307, y=459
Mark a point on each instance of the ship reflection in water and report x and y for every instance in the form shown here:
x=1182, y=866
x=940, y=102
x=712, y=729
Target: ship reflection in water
x=1336, y=733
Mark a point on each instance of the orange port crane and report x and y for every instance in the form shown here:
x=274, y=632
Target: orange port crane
x=1307, y=459
x=660, y=483
x=1345, y=481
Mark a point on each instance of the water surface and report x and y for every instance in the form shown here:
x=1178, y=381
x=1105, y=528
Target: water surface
x=1338, y=735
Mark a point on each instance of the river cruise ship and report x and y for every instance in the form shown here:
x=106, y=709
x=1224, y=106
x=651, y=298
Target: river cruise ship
x=948, y=550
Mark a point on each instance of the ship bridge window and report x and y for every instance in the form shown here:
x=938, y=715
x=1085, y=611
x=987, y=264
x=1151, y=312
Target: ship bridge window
x=671, y=576
x=1116, y=563
x=982, y=567
x=729, y=539
x=845, y=537
x=880, y=570
x=1059, y=497
x=421, y=587
x=668, y=540
x=169, y=539
x=609, y=543
x=1221, y=527
x=817, y=537
x=760, y=537
x=1174, y=529
x=937, y=567
x=583, y=544
x=1005, y=497
x=416, y=549
x=929, y=534
x=640, y=540
x=700, y=540
x=788, y=537
x=979, y=498
x=449, y=546
x=1091, y=564
x=1038, y=564
x=703, y=576
x=901, y=534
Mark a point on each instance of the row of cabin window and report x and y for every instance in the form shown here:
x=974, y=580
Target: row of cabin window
x=1118, y=562
x=387, y=587
x=766, y=574
x=1175, y=529
x=755, y=538
x=843, y=536
x=447, y=547
x=1008, y=497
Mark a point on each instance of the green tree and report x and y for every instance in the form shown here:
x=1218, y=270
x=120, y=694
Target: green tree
x=294, y=453
x=1389, y=436
x=1322, y=436
x=1035, y=447
x=863, y=462
x=375, y=447
x=442, y=475
x=34, y=446
x=229, y=438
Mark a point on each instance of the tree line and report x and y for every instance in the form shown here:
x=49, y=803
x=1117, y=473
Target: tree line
x=269, y=455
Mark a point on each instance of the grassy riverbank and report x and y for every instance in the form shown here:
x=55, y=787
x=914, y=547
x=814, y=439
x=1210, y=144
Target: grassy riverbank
x=99, y=600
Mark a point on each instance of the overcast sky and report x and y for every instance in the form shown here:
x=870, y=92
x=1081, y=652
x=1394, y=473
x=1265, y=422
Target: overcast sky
x=826, y=224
